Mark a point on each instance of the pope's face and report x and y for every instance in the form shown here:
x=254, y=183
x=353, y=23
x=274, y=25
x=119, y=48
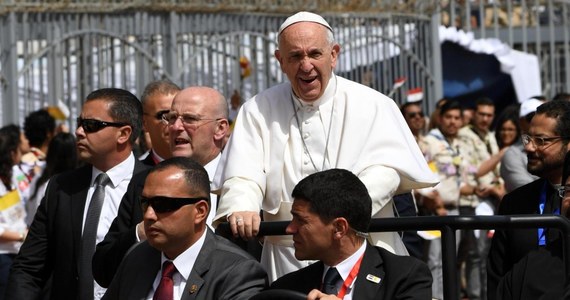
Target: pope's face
x=308, y=58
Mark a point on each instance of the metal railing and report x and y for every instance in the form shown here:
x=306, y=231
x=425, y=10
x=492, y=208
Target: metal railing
x=448, y=226
x=266, y=6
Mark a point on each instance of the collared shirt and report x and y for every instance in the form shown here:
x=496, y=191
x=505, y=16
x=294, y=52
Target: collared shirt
x=120, y=176
x=445, y=159
x=211, y=169
x=156, y=157
x=345, y=267
x=184, y=264
x=475, y=150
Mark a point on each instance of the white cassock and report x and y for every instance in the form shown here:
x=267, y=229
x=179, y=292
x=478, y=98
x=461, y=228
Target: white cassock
x=278, y=140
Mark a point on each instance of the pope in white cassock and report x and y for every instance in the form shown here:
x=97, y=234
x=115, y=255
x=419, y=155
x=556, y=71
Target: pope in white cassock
x=314, y=122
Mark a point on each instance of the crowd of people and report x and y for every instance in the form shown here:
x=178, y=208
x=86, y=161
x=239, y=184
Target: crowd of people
x=478, y=166
x=82, y=217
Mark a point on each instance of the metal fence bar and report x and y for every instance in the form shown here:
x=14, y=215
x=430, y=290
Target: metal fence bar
x=448, y=226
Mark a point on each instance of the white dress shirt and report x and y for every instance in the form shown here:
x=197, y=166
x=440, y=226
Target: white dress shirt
x=184, y=264
x=211, y=169
x=120, y=176
x=345, y=267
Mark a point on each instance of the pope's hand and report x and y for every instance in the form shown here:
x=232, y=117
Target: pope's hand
x=245, y=224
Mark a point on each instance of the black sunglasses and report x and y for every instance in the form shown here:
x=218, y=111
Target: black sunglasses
x=414, y=114
x=92, y=125
x=163, y=204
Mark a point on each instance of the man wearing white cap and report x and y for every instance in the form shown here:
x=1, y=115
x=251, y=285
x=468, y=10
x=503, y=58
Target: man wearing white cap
x=513, y=164
x=314, y=122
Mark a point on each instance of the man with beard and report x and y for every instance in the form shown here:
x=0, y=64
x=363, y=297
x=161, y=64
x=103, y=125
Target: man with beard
x=546, y=145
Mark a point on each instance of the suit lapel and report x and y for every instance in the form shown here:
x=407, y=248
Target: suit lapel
x=201, y=266
x=312, y=278
x=146, y=274
x=77, y=199
x=371, y=270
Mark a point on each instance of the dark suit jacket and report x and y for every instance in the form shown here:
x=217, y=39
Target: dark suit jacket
x=401, y=277
x=221, y=271
x=510, y=246
x=53, y=243
x=121, y=236
x=539, y=275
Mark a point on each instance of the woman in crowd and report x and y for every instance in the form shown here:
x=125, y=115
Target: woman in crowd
x=61, y=157
x=507, y=130
x=13, y=228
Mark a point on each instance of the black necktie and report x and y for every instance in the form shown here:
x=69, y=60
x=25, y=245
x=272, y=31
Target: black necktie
x=89, y=237
x=331, y=282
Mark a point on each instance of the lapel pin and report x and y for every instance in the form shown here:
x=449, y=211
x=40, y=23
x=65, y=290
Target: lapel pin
x=193, y=289
x=373, y=278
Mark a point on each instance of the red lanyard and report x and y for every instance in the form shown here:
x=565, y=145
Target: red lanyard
x=350, y=278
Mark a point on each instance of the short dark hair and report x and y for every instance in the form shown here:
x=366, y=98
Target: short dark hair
x=195, y=175
x=484, y=101
x=559, y=110
x=450, y=105
x=162, y=87
x=337, y=193
x=408, y=104
x=561, y=97
x=37, y=125
x=9, y=143
x=125, y=108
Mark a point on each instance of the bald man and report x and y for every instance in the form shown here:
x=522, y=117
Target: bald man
x=197, y=125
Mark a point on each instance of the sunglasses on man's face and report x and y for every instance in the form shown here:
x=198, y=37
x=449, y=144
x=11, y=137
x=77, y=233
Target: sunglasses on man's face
x=92, y=125
x=415, y=114
x=163, y=204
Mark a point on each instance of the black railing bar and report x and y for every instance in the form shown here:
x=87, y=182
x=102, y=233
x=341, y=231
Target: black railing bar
x=437, y=223
x=448, y=225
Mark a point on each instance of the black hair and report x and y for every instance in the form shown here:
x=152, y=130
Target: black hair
x=559, y=110
x=37, y=126
x=510, y=113
x=9, y=143
x=195, y=175
x=484, y=101
x=61, y=157
x=450, y=105
x=125, y=108
x=337, y=193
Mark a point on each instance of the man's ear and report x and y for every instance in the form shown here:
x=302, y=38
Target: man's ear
x=334, y=54
x=202, y=210
x=222, y=128
x=279, y=58
x=340, y=227
x=124, y=134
